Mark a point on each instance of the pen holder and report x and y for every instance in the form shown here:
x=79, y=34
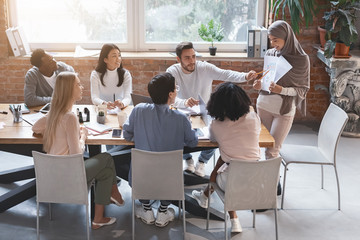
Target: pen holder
x=17, y=116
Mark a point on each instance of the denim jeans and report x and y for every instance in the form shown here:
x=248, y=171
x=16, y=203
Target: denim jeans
x=205, y=155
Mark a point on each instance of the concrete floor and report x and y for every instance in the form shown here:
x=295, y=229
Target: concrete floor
x=309, y=212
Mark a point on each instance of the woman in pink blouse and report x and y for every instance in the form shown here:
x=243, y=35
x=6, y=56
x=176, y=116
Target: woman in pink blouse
x=236, y=129
x=62, y=135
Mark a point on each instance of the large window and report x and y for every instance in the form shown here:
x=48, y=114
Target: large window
x=135, y=25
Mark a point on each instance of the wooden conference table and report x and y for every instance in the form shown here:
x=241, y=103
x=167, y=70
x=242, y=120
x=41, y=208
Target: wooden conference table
x=19, y=138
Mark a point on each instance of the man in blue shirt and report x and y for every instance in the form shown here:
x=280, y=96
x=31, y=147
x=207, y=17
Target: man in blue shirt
x=155, y=127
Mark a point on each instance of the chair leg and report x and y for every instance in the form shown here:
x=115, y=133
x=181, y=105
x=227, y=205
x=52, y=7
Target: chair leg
x=225, y=219
x=87, y=221
x=184, y=220
x=254, y=215
x=37, y=220
x=208, y=209
x=50, y=212
x=133, y=219
x=283, y=190
x=322, y=177
x=338, y=186
x=276, y=226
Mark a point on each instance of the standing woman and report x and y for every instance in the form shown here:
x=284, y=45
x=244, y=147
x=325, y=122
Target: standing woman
x=277, y=108
x=62, y=135
x=111, y=84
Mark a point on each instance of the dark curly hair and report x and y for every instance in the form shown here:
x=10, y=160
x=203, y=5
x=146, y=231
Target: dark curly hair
x=228, y=101
x=101, y=66
x=36, y=56
x=160, y=86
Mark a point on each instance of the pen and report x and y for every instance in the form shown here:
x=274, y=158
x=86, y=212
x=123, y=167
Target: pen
x=262, y=71
x=264, y=74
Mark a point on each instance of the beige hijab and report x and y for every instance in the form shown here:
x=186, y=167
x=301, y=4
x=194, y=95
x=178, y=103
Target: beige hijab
x=299, y=76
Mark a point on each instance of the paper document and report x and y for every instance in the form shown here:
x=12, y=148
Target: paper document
x=113, y=111
x=202, y=133
x=195, y=110
x=274, y=69
x=32, y=118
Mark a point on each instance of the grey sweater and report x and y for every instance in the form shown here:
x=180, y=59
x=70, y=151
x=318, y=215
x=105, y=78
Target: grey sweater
x=37, y=90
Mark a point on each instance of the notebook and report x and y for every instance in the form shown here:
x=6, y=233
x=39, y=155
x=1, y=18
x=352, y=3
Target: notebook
x=22, y=106
x=97, y=127
x=136, y=99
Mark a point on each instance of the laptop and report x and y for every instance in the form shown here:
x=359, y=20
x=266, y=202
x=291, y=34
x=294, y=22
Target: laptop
x=136, y=99
x=203, y=112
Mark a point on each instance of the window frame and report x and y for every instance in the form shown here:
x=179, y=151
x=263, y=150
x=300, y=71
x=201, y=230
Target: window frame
x=136, y=33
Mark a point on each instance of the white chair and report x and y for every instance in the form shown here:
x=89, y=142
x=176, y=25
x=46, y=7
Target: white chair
x=250, y=185
x=158, y=176
x=60, y=179
x=324, y=153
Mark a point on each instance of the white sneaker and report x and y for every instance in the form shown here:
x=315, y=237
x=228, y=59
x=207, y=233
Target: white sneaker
x=200, y=169
x=200, y=198
x=146, y=216
x=190, y=167
x=235, y=225
x=162, y=219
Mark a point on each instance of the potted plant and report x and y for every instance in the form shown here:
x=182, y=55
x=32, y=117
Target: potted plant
x=101, y=117
x=211, y=32
x=299, y=11
x=340, y=26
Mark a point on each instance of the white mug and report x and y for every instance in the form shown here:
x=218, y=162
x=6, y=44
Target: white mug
x=122, y=116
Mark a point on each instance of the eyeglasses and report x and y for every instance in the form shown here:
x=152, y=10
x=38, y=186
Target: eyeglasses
x=177, y=88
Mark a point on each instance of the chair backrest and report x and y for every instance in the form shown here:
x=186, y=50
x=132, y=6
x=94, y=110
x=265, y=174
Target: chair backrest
x=60, y=178
x=252, y=184
x=331, y=128
x=157, y=175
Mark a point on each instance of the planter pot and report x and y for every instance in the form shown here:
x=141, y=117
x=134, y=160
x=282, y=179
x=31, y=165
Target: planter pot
x=212, y=51
x=322, y=32
x=101, y=119
x=341, y=50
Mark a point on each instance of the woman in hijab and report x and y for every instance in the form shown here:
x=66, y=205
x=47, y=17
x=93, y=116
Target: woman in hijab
x=277, y=108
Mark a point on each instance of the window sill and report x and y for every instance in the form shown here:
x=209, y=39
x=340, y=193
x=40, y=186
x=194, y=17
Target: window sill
x=159, y=55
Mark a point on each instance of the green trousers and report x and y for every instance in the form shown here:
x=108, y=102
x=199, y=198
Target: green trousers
x=101, y=168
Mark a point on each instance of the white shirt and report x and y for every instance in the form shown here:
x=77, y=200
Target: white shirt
x=51, y=80
x=199, y=82
x=100, y=93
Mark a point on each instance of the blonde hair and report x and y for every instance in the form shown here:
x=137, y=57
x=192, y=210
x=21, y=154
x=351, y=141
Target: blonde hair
x=61, y=103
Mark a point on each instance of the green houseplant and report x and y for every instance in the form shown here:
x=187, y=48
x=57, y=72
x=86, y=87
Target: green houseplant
x=299, y=11
x=340, y=25
x=101, y=117
x=211, y=32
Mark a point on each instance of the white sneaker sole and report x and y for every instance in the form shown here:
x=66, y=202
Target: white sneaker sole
x=199, y=174
x=198, y=201
x=163, y=224
x=144, y=220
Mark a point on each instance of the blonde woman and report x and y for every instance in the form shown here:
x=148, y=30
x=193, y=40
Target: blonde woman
x=63, y=135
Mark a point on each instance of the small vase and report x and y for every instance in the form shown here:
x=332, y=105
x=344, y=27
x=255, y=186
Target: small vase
x=101, y=119
x=212, y=51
